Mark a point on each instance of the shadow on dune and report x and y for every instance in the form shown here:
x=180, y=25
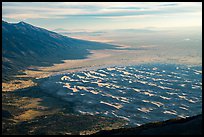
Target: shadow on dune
x=57, y=116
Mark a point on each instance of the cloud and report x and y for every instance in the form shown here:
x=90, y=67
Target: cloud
x=170, y=4
x=107, y=10
x=127, y=17
x=91, y=15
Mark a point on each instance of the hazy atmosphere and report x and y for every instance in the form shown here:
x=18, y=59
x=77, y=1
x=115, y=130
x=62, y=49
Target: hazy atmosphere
x=100, y=68
x=104, y=15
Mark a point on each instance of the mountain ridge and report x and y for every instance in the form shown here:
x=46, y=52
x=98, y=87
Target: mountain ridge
x=177, y=126
x=25, y=45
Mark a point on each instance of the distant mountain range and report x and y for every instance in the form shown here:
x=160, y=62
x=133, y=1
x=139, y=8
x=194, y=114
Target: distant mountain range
x=102, y=32
x=25, y=45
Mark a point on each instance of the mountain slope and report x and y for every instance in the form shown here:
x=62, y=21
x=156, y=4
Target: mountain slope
x=179, y=126
x=25, y=45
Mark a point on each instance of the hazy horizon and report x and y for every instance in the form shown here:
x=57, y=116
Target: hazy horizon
x=96, y=16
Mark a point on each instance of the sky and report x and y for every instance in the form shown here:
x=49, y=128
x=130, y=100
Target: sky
x=94, y=16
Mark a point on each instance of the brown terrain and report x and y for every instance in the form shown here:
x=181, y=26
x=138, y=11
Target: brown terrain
x=24, y=105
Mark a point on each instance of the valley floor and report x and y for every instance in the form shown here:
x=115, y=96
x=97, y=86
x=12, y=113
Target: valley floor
x=24, y=105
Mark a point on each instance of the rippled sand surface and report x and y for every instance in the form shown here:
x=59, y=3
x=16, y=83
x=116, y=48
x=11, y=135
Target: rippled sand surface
x=139, y=94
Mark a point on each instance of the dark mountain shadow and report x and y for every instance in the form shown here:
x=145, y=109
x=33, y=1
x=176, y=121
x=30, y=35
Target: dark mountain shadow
x=179, y=126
